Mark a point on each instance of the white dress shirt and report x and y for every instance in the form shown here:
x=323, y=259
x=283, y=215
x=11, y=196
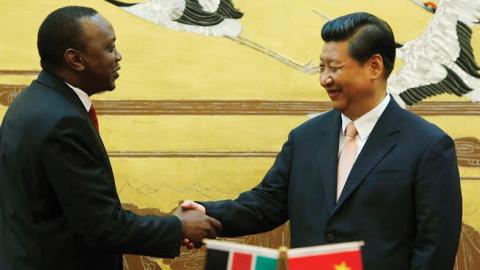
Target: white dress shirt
x=363, y=124
x=86, y=101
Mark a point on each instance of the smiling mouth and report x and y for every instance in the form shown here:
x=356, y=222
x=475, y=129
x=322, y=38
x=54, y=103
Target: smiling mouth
x=116, y=74
x=333, y=93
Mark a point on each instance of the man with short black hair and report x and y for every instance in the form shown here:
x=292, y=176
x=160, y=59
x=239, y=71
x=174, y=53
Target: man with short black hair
x=59, y=207
x=367, y=170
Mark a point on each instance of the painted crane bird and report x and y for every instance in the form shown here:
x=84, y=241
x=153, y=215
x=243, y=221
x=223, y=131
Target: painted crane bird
x=430, y=6
x=206, y=17
x=441, y=60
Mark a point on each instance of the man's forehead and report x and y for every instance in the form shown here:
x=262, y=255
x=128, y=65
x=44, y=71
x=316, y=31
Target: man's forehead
x=96, y=21
x=94, y=25
x=333, y=49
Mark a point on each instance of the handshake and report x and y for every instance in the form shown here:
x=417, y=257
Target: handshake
x=196, y=225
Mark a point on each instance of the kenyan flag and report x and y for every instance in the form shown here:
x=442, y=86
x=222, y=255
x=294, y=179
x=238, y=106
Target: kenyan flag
x=230, y=256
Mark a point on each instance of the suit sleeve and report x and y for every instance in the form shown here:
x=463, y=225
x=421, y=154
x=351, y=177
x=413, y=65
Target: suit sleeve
x=79, y=173
x=261, y=209
x=438, y=207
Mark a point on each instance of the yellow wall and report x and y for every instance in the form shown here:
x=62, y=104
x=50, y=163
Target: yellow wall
x=161, y=64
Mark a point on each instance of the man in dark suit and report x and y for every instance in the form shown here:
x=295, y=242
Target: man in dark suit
x=59, y=208
x=366, y=170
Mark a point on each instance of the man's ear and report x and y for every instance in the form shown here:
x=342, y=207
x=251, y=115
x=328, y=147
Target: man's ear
x=74, y=59
x=376, y=66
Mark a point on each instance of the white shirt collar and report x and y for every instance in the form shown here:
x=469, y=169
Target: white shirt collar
x=365, y=123
x=87, y=103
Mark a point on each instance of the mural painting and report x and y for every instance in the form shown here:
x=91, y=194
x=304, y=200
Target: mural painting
x=209, y=90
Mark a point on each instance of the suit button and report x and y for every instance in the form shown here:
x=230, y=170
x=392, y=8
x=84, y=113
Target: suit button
x=330, y=237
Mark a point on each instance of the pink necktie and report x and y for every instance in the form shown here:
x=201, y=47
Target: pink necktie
x=93, y=116
x=347, y=157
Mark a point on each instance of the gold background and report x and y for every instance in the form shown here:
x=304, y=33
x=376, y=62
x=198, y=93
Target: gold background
x=163, y=156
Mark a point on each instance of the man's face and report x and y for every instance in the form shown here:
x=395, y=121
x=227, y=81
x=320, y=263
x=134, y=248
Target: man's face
x=100, y=56
x=347, y=82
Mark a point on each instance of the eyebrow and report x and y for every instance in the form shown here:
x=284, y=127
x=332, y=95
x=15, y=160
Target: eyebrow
x=111, y=41
x=325, y=59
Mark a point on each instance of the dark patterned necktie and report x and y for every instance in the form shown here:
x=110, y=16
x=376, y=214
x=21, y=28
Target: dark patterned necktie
x=93, y=116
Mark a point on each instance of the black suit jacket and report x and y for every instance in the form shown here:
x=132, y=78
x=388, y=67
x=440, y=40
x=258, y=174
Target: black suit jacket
x=402, y=196
x=59, y=208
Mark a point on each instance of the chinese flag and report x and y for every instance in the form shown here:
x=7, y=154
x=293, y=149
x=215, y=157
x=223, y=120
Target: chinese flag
x=346, y=256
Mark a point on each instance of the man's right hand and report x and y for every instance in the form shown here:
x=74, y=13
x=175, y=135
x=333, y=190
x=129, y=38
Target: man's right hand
x=191, y=205
x=196, y=226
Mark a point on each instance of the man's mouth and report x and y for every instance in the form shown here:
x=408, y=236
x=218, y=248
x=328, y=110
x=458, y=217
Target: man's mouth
x=333, y=93
x=115, y=73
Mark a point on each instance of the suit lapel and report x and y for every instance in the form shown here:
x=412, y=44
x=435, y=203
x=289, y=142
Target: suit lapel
x=60, y=87
x=381, y=141
x=328, y=144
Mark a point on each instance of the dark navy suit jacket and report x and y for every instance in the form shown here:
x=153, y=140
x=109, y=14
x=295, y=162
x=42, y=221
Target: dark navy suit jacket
x=402, y=196
x=59, y=207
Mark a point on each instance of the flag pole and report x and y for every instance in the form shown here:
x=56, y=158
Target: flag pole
x=282, y=258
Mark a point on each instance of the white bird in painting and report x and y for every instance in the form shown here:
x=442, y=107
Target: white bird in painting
x=206, y=17
x=428, y=6
x=441, y=60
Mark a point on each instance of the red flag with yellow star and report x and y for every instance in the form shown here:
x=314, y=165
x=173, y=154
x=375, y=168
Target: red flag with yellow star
x=344, y=256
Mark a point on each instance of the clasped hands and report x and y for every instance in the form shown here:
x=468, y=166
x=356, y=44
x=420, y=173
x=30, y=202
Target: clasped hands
x=196, y=225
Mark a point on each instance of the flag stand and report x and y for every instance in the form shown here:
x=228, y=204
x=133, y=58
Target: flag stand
x=282, y=258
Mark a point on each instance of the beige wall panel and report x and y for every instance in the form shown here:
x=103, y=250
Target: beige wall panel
x=163, y=182
x=197, y=133
x=161, y=64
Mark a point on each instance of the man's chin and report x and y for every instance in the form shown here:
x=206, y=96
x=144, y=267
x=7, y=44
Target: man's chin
x=106, y=89
x=111, y=87
x=337, y=105
x=112, y=84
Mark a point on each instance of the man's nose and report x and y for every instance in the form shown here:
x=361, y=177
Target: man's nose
x=325, y=79
x=118, y=56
